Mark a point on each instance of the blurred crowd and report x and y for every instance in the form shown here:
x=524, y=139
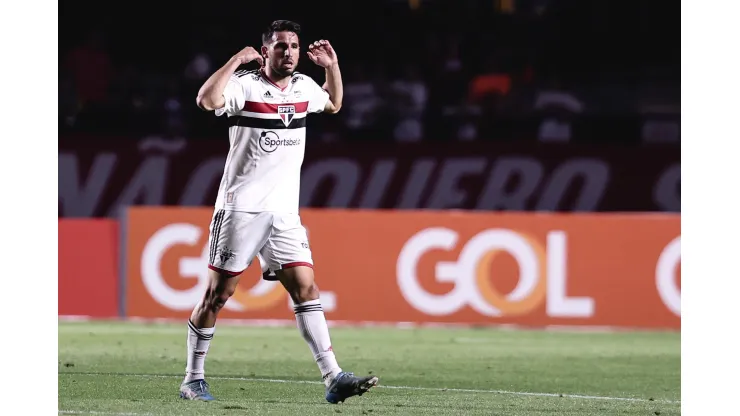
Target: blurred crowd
x=502, y=70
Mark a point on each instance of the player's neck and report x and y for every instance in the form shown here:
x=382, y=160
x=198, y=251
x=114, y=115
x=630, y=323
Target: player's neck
x=281, y=81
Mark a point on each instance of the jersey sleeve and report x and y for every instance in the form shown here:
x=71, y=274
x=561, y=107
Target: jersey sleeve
x=319, y=98
x=235, y=95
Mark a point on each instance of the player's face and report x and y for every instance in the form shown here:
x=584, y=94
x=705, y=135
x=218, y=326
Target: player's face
x=283, y=53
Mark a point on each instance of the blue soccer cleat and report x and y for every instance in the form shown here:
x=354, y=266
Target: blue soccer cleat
x=195, y=390
x=346, y=385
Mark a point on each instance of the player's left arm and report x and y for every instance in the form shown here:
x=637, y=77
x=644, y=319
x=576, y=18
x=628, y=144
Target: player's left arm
x=333, y=85
x=322, y=54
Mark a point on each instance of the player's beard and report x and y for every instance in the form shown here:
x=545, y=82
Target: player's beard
x=283, y=73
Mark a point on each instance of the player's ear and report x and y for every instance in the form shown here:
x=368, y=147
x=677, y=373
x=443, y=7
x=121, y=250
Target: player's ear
x=263, y=51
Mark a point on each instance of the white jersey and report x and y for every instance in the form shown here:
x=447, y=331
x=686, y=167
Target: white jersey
x=267, y=137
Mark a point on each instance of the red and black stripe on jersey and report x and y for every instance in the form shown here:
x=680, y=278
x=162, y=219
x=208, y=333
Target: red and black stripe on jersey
x=269, y=123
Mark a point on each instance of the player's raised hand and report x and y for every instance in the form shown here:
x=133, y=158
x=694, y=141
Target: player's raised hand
x=322, y=54
x=248, y=55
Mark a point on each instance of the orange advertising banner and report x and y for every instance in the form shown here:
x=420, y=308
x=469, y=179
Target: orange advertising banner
x=479, y=268
x=93, y=243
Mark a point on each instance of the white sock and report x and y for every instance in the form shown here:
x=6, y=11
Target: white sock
x=312, y=324
x=199, y=339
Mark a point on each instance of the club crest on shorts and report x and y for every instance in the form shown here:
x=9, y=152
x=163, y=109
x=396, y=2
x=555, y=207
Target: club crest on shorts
x=286, y=113
x=225, y=254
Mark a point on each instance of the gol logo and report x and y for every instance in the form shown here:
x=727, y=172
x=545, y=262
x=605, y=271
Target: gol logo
x=665, y=276
x=263, y=295
x=542, y=274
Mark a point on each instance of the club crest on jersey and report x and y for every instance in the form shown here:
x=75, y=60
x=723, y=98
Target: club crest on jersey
x=286, y=112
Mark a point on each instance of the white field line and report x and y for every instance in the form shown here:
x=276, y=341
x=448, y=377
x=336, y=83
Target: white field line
x=515, y=393
x=93, y=412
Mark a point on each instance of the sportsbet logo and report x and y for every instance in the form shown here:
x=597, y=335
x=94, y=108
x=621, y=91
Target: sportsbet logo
x=542, y=274
x=160, y=273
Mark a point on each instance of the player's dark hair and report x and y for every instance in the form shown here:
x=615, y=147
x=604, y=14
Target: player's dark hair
x=280, y=26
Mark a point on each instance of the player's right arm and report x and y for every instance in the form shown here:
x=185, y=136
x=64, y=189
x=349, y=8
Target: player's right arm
x=213, y=95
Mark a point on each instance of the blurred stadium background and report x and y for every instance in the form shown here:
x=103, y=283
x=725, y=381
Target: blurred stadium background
x=543, y=136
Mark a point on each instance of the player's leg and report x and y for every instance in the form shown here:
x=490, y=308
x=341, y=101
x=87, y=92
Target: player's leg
x=288, y=253
x=298, y=281
x=234, y=240
x=201, y=328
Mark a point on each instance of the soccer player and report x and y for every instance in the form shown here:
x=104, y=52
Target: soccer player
x=256, y=211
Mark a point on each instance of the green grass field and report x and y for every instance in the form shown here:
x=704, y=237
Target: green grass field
x=113, y=368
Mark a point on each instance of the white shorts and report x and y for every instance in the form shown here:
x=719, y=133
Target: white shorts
x=236, y=238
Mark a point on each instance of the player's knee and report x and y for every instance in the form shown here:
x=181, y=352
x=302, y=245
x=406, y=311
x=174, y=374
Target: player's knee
x=216, y=297
x=305, y=293
x=221, y=299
